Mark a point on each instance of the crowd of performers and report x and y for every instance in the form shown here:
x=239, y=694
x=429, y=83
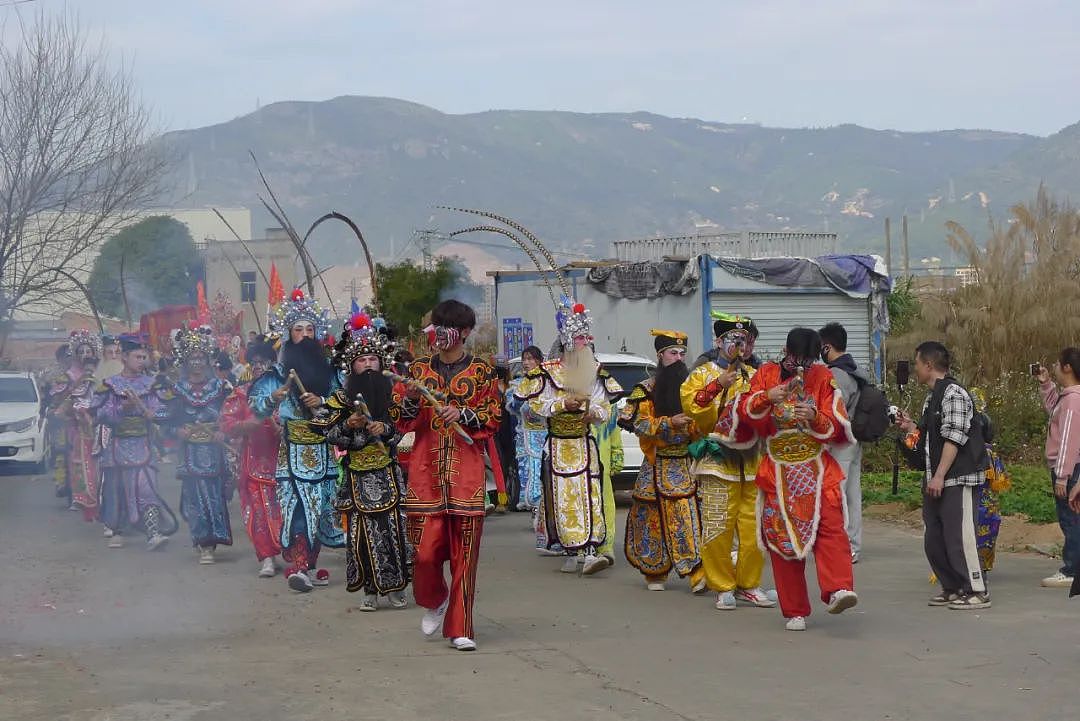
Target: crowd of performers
x=311, y=443
x=738, y=465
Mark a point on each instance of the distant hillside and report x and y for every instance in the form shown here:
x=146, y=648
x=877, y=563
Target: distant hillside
x=576, y=177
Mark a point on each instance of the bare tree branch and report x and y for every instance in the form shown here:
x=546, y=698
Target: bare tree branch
x=76, y=163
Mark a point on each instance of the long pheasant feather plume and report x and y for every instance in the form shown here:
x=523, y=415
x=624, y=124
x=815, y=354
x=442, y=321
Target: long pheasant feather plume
x=563, y=284
x=522, y=244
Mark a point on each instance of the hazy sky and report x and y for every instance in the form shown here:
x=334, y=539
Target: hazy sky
x=906, y=64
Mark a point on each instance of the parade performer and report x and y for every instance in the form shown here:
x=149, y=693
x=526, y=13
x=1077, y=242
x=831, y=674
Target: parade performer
x=357, y=420
x=796, y=408
x=192, y=411
x=57, y=384
x=609, y=441
x=446, y=494
x=258, y=440
x=125, y=405
x=529, y=435
x=306, y=474
x=663, y=524
x=725, y=467
x=70, y=397
x=573, y=394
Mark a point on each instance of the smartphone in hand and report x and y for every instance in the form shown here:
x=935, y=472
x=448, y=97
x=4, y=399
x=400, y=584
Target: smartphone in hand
x=1035, y=369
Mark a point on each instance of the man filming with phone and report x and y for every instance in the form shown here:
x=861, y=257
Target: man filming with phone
x=948, y=445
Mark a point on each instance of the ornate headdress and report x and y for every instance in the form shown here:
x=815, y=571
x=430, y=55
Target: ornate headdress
x=299, y=309
x=668, y=339
x=572, y=320
x=187, y=342
x=724, y=323
x=81, y=336
x=364, y=334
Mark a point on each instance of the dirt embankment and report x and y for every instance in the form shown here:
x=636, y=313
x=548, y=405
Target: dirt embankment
x=1016, y=534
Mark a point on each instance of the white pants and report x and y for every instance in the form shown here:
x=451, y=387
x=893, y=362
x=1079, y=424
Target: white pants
x=850, y=460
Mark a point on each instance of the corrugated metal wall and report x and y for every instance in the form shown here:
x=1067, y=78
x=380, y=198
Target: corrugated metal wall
x=776, y=313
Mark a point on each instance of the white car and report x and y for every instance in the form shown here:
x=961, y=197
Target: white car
x=628, y=370
x=22, y=423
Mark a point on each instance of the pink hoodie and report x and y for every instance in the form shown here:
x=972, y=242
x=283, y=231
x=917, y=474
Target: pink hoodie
x=1063, y=438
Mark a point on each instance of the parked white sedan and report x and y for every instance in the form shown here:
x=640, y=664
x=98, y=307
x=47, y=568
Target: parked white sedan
x=22, y=423
x=628, y=370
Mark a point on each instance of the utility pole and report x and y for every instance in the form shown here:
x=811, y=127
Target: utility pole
x=907, y=259
x=888, y=245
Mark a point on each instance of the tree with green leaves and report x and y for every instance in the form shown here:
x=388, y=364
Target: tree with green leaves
x=145, y=266
x=408, y=291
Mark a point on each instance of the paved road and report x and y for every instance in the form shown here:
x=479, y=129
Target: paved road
x=93, y=634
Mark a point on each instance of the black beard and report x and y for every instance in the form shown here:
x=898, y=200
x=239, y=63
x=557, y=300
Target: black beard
x=309, y=361
x=375, y=389
x=669, y=380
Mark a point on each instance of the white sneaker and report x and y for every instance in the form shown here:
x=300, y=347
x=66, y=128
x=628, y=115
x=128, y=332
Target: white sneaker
x=397, y=599
x=108, y=532
x=1058, y=580
x=370, y=602
x=156, y=541
x=854, y=557
x=699, y=587
x=433, y=618
x=116, y=542
x=594, y=564
x=655, y=586
x=206, y=556
x=268, y=568
x=569, y=565
x=796, y=623
x=300, y=582
x=755, y=596
x=463, y=644
x=725, y=601
x=841, y=601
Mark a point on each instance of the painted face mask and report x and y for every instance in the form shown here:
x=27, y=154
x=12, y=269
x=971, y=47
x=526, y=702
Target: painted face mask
x=733, y=344
x=441, y=337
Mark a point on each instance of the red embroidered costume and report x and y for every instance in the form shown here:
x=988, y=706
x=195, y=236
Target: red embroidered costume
x=257, y=485
x=446, y=495
x=800, y=505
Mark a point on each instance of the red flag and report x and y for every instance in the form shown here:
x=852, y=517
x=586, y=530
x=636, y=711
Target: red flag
x=277, y=290
x=203, y=308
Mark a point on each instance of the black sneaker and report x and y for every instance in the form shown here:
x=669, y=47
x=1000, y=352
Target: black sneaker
x=944, y=599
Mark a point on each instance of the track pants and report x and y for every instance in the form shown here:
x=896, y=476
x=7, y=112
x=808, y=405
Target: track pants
x=949, y=539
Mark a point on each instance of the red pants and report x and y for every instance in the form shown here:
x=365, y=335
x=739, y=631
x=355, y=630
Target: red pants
x=832, y=557
x=262, y=516
x=438, y=539
x=301, y=555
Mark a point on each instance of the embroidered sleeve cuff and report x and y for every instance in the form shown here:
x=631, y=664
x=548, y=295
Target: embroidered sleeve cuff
x=410, y=408
x=469, y=419
x=757, y=406
x=821, y=427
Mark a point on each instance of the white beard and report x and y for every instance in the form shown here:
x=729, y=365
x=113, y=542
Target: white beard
x=579, y=371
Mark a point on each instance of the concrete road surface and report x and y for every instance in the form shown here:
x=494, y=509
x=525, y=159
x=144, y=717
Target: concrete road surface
x=93, y=634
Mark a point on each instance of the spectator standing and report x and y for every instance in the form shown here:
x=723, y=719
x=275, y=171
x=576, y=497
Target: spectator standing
x=948, y=444
x=850, y=379
x=1062, y=402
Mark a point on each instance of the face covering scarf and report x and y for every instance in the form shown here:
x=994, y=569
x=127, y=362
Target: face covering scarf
x=442, y=338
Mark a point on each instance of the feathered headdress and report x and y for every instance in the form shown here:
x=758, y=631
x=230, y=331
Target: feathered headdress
x=299, y=309
x=364, y=334
x=186, y=342
x=81, y=336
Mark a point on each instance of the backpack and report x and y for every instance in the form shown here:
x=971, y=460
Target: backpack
x=870, y=420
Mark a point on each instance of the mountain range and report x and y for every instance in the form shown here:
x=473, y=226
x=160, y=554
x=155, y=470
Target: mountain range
x=581, y=180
